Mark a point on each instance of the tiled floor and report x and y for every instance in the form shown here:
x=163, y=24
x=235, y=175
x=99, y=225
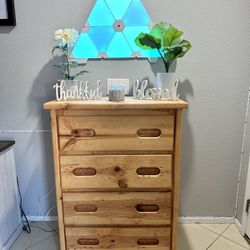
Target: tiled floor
x=44, y=236
x=211, y=236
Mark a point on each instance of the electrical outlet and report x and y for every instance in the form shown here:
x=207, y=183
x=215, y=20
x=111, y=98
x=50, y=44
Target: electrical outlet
x=118, y=82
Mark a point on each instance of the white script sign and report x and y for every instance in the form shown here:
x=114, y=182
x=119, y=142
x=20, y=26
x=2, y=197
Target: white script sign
x=154, y=93
x=78, y=91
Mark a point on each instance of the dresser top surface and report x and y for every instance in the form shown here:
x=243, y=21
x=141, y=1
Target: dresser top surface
x=105, y=104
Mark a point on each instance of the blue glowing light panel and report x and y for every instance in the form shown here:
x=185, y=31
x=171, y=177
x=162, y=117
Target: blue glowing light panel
x=111, y=29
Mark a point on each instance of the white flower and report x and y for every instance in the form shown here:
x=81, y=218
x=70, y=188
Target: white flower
x=66, y=36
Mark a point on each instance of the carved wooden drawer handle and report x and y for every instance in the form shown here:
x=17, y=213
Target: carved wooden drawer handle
x=148, y=171
x=92, y=242
x=83, y=133
x=147, y=242
x=84, y=171
x=149, y=208
x=149, y=132
x=85, y=208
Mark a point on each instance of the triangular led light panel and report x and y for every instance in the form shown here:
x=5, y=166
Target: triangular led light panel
x=111, y=29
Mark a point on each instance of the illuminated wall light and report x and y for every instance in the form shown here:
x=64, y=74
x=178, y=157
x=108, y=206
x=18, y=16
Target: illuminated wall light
x=111, y=29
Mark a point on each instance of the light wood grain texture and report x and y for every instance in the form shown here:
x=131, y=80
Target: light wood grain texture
x=77, y=145
x=129, y=103
x=116, y=133
x=155, y=112
x=176, y=178
x=116, y=152
x=105, y=172
x=157, y=238
x=116, y=126
x=119, y=208
x=114, y=164
x=57, y=180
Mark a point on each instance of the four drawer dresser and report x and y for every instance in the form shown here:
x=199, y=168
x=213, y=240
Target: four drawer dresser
x=117, y=173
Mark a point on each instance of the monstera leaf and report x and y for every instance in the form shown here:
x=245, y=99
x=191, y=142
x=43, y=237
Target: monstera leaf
x=173, y=46
x=171, y=37
x=167, y=40
x=186, y=46
x=160, y=29
x=147, y=41
x=172, y=54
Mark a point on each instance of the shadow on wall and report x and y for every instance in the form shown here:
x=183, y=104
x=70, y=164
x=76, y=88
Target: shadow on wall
x=187, y=91
x=6, y=30
x=47, y=201
x=41, y=92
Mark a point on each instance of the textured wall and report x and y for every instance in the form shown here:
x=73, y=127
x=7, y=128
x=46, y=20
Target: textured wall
x=215, y=77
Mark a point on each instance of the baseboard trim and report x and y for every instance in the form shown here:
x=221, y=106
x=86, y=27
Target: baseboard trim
x=207, y=220
x=42, y=218
x=13, y=237
x=239, y=226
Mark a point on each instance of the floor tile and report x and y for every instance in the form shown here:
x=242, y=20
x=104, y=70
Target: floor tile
x=53, y=225
x=194, y=237
x=39, y=232
x=22, y=242
x=46, y=225
x=191, y=237
x=216, y=228
x=51, y=243
x=233, y=234
x=225, y=244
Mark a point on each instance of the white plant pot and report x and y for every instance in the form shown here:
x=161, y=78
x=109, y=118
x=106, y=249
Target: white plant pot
x=167, y=81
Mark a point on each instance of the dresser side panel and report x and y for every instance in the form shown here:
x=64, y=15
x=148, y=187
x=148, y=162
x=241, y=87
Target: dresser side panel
x=54, y=129
x=176, y=177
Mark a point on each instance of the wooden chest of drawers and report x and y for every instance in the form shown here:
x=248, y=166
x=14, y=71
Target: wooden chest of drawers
x=117, y=173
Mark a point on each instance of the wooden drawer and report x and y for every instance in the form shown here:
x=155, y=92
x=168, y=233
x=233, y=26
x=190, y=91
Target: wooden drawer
x=131, y=208
x=157, y=238
x=116, y=133
x=116, y=172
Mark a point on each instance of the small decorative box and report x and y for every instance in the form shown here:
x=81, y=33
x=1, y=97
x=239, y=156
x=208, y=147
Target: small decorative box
x=117, y=94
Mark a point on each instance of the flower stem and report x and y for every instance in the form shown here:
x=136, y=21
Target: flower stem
x=67, y=62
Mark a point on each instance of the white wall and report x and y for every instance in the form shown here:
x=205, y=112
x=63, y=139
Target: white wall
x=215, y=76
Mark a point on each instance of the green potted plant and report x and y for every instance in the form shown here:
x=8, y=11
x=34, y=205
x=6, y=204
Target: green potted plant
x=168, y=41
x=65, y=41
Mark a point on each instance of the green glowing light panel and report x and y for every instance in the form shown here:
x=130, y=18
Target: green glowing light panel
x=111, y=30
